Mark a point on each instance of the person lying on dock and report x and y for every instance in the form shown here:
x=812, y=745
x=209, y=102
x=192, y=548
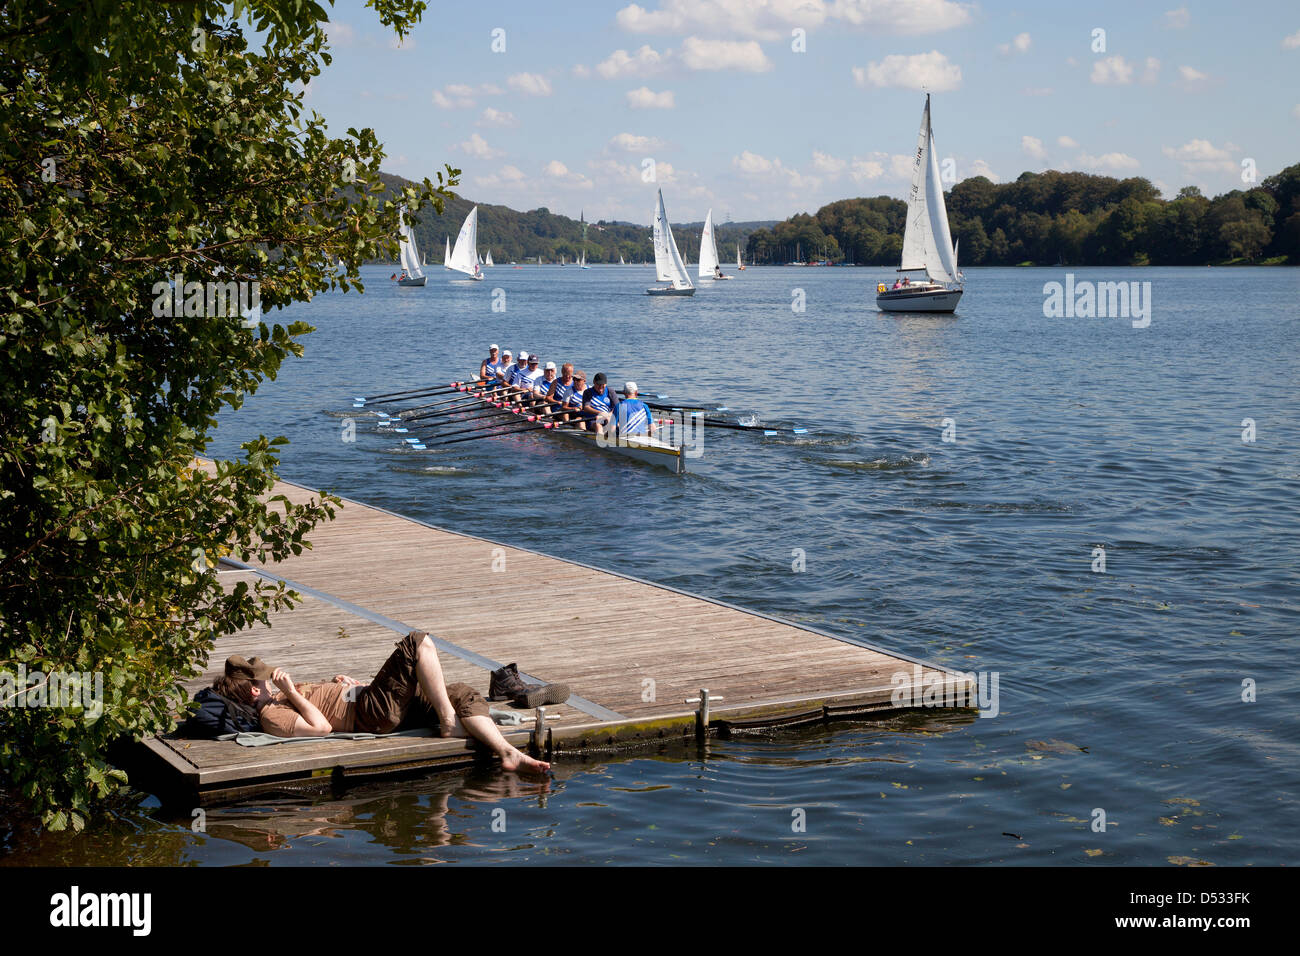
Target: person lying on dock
x=408, y=690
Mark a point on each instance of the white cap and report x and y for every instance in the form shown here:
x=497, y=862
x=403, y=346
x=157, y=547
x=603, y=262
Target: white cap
x=550, y=366
x=523, y=356
x=493, y=348
x=629, y=387
x=507, y=352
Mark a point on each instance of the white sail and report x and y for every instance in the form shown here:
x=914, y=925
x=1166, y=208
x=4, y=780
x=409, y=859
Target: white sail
x=464, y=254
x=668, y=261
x=708, y=249
x=927, y=243
x=446, y=255
x=662, y=258
x=621, y=262
x=408, y=253
x=739, y=264
x=488, y=261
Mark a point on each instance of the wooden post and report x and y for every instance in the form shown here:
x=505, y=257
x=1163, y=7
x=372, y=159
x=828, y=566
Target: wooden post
x=702, y=712
x=539, y=733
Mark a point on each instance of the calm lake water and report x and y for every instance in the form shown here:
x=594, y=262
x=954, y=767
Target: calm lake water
x=1119, y=691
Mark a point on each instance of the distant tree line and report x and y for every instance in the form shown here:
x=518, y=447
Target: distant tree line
x=515, y=236
x=1053, y=217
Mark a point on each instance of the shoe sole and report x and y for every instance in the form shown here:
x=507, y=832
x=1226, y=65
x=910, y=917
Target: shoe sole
x=546, y=694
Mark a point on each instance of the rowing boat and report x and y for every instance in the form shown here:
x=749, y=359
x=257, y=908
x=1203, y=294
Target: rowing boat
x=642, y=448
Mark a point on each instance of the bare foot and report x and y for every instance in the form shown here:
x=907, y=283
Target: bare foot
x=516, y=760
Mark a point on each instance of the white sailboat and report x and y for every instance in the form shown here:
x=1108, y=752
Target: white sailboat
x=710, y=268
x=668, y=261
x=740, y=266
x=927, y=243
x=464, y=255
x=621, y=262
x=582, y=261
x=446, y=256
x=488, y=261
x=412, y=274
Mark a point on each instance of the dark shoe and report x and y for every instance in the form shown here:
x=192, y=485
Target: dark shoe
x=505, y=683
x=535, y=695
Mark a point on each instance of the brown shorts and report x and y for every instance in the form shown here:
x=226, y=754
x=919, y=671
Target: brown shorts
x=392, y=699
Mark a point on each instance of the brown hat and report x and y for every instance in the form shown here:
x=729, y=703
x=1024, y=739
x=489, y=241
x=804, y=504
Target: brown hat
x=254, y=669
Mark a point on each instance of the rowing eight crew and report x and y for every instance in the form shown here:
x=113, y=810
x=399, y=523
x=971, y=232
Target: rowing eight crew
x=566, y=395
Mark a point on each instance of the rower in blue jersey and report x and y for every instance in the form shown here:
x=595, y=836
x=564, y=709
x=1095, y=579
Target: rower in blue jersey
x=542, y=387
x=573, y=404
x=531, y=376
x=507, y=367
x=515, y=373
x=597, y=403
x=561, y=389
x=487, y=370
x=632, y=416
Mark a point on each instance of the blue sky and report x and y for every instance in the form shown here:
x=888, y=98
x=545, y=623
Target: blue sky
x=737, y=120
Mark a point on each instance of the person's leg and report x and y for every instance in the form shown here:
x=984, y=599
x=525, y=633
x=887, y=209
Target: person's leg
x=471, y=718
x=428, y=671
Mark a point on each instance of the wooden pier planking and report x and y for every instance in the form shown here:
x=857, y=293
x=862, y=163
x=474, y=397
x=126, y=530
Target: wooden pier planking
x=378, y=575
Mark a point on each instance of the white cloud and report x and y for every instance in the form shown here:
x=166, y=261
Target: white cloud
x=772, y=20
x=556, y=168
x=477, y=147
x=1067, y=141
x=981, y=168
x=1291, y=42
x=1032, y=147
x=454, y=97
x=1177, y=19
x=877, y=164
x=493, y=117
x=581, y=72
x=746, y=56
x=1191, y=75
x=930, y=71
x=828, y=165
x=752, y=164
x=506, y=176
x=340, y=34
x=1109, y=162
x=645, y=98
x=641, y=63
x=631, y=143
x=1152, y=71
x=1019, y=43
x=1201, y=156
x=532, y=84
x=864, y=170
x=1112, y=71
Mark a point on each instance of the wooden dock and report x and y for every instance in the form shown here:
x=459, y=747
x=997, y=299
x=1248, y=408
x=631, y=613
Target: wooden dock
x=632, y=653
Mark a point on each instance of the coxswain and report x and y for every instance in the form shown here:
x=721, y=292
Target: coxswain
x=633, y=415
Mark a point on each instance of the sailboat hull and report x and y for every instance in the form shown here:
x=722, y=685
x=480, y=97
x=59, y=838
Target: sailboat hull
x=671, y=291
x=918, y=300
x=418, y=281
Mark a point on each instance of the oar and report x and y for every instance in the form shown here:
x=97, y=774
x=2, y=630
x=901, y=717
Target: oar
x=359, y=402
x=687, y=408
x=499, y=434
x=765, y=429
x=491, y=413
x=476, y=428
x=461, y=402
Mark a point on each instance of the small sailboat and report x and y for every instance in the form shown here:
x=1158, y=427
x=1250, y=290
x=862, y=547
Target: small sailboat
x=621, y=262
x=668, y=261
x=488, y=261
x=740, y=266
x=710, y=268
x=464, y=255
x=927, y=243
x=446, y=256
x=412, y=274
x=582, y=262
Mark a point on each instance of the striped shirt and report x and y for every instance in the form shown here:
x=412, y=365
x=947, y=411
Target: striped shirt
x=633, y=417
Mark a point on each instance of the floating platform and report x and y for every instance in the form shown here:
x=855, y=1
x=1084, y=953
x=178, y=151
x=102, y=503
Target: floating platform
x=633, y=654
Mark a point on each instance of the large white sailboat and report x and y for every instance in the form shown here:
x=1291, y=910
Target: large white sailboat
x=464, y=255
x=710, y=268
x=412, y=274
x=668, y=261
x=927, y=243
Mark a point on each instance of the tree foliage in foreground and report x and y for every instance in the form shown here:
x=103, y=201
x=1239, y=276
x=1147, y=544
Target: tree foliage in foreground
x=1052, y=217
x=140, y=140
